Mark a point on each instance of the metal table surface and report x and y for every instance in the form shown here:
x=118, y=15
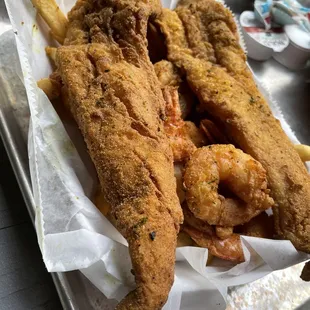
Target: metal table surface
x=24, y=282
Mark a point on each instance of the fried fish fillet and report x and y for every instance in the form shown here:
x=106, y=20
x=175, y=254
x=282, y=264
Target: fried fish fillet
x=202, y=41
x=114, y=95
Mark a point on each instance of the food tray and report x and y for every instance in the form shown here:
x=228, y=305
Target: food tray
x=75, y=291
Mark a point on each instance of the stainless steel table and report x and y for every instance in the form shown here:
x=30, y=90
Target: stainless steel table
x=24, y=283
x=292, y=92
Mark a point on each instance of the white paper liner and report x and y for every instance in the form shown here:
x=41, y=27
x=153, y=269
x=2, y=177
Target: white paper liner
x=73, y=234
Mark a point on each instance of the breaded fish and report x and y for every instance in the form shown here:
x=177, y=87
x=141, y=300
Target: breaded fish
x=114, y=95
x=202, y=41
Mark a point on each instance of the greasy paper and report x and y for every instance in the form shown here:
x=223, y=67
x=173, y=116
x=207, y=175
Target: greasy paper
x=73, y=234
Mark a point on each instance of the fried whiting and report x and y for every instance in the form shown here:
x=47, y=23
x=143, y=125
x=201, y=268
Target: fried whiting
x=202, y=41
x=115, y=97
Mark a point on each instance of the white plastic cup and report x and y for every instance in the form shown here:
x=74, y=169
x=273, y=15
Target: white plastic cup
x=296, y=55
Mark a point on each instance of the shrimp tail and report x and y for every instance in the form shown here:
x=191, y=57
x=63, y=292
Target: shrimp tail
x=228, y=249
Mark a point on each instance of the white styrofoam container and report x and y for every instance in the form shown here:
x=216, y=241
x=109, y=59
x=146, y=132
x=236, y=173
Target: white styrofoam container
x=297, y=53
x=261, y=44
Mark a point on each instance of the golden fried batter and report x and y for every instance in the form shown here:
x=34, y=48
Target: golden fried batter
x=203, y=234
x=184, y=136
x=169, y=75
x=228, y=249
x=115, y=97
x=202, y=41
x=216, y=164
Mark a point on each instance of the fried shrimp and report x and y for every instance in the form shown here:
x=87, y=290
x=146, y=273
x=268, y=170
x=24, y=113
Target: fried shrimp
x=191, y=220
x=184, y=136
x=204, y=235
x=169, y=75
x=224, y=232
x=240, y=173
x=228, y=249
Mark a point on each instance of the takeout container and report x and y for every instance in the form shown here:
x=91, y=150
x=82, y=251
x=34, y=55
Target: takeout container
x=289, y=45
x=297, y=53
x=261, y=44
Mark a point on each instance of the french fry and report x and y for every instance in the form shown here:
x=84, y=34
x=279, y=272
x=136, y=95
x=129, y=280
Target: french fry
x=52, y=15
x=50, y=87
x=57, y=38
x=100, y=202
x=303, y=151
x=51, y=53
